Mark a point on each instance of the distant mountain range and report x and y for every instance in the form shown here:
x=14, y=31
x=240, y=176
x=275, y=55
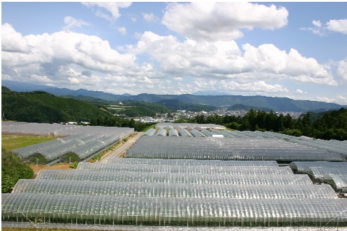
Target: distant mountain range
x=220, y=101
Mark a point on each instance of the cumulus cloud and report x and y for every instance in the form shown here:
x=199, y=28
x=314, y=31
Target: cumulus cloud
x=225, y=60
x=339, y=26
x=122, y=30
x=12, y=41
x=221, y=21
x=107, y=10
x=64, y=57
x=72, y=22
x=338, y=99
x=317, y=28
x=342, y=69
x=150, y=17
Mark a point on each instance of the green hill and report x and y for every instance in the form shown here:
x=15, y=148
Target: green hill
x=39, y=106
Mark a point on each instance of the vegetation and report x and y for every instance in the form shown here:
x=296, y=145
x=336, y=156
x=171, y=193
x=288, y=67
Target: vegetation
x=138, y=108
x=179, y=105
x=11, y=142
x=13, y=169
x=39, y=106
x=328, y=125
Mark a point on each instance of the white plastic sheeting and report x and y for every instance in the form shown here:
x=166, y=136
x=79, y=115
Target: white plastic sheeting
x=62, y=130
x=339, y=182
x=173, y=132
x=270, y=179
x=227, y=149
x=135, y=189
x=161, y=132
x=188, y=126
x=185, y=133
x=305, y=166
x=150, y=132
x=53, y=208
x=190, y=162
x=196, y=133
x=227, y=170
x=322, y=174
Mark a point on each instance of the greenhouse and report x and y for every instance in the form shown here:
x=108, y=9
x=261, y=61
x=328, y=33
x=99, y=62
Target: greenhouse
x=322, y=174
x=227, y=149
x=140, y=189
x=87, y=209
x=161, y=132
x=305, y=167
x=339, y=182
x=190, y=162
x=173, y=132
x=270, y=179
x=150, y=132
x=196, y=133
x=59, y=130
x=185, y=133
x=227, y=170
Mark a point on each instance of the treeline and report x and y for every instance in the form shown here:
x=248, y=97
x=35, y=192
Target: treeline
x=13, y=169
x=328, y=125
x=180, y=105
x=137, y=108
x=116, y=121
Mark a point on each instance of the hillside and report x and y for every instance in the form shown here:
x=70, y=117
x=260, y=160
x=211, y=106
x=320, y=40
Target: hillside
x=39, y=106
x=220, y=101
x=13, y=169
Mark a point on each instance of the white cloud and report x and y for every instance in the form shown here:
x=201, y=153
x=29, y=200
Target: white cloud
x=122, y=30
x=64, y=57
x=224, y=60
x=338, y=99
x=150, y=17
x=71, y=22
x=12, y=41
x=317, y=28
x=317, y=23
x=342, y=69
x=339, y=26
x=104, y=9
x=221, y=21
x=178, y=78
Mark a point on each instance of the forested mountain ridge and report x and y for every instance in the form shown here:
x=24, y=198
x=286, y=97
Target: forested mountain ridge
x=220, y=101
x=39, y=106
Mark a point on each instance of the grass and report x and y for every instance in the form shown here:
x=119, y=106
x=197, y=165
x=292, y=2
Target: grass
x=147, y=128
x=10, y=142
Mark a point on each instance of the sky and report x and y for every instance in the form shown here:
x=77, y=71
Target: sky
x=281, y=49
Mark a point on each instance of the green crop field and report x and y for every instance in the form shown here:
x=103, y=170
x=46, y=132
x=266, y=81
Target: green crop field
x=10, y=142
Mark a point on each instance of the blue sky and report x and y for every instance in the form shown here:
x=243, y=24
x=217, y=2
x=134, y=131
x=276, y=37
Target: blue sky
x=280, y=49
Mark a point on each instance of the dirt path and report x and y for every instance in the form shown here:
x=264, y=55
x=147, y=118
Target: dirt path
x=60, y=166
x=122, y=148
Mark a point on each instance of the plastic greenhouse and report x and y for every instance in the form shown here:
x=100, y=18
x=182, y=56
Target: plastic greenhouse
x=140, y=189
x=227, y=149
x=185, y=133
x=190, y=162
x=339, y=182
x=173, y=132
x=161, y=132
x=305, y=167
x=234, y=170
x=150, y=132
x=196, y=133
x=270, y=179
x=86, y=209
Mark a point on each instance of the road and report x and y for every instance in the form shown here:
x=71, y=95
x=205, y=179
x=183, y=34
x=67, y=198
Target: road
x=122, y=148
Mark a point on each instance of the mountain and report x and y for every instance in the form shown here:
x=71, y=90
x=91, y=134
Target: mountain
x=220, y=101
x=179, y=105
x=39, y=106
